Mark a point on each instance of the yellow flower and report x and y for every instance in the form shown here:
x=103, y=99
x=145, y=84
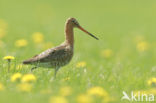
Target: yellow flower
x=81, y=64
x=84, y=98
x=21, y=43
x=152, y=81
x=24, y=87
x=58, y=99
x=97, y=91
x=142, y=46
x=1, y=87
x=16, y=77
x=28, y=78
x=37, y=37
x=107, y=53
x=8, y=58
x=65, y=91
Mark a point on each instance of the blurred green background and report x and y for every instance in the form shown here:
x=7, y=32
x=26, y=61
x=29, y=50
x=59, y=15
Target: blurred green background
x=117, y=23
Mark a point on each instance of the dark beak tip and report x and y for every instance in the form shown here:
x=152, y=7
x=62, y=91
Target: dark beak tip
x=95, y=37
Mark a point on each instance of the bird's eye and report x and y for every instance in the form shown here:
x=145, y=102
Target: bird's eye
x=73, y=21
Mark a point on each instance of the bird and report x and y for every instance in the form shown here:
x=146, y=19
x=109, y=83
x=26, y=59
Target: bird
x=61, y=55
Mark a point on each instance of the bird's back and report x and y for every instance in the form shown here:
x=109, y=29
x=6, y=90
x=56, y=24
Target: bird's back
x=52, y=58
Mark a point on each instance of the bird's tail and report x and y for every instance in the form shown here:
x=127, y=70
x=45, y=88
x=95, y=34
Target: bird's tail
x=27, y=61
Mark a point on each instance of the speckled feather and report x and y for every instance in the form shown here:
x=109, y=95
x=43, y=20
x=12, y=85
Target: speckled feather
x=52, y=58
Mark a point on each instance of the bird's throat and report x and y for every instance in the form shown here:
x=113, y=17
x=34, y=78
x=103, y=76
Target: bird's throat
x=69, y=35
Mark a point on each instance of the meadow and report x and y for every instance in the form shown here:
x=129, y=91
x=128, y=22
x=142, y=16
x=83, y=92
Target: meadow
x=123, y=59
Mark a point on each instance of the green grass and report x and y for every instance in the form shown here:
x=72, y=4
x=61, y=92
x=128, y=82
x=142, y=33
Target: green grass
x=116, y=22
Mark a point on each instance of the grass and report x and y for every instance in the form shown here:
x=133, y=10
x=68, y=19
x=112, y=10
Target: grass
x=121, y=25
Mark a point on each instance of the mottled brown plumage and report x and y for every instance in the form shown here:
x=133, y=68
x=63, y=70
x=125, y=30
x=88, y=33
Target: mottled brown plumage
x=60, y=55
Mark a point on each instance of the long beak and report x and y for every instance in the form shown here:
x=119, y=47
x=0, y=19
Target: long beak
x=87, y=32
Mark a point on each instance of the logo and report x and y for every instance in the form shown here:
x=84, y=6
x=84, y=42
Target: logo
x=138, y=96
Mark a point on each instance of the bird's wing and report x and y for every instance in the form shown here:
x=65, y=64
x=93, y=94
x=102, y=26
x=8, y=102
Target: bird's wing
x=48, y=55
x=55, y=54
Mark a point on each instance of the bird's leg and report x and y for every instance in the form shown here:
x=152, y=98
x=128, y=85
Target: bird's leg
x=33, y=68
x=56, y=69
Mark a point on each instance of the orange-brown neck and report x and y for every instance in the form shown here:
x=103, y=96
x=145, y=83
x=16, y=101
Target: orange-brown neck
x=69, y=34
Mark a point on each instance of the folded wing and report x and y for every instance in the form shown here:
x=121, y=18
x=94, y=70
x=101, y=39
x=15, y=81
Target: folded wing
x=48, y=56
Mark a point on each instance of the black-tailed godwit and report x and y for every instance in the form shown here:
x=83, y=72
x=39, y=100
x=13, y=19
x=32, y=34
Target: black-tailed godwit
x=61, y=55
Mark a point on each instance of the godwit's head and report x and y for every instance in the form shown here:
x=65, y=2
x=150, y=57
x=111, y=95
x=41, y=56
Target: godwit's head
x=74, y=23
